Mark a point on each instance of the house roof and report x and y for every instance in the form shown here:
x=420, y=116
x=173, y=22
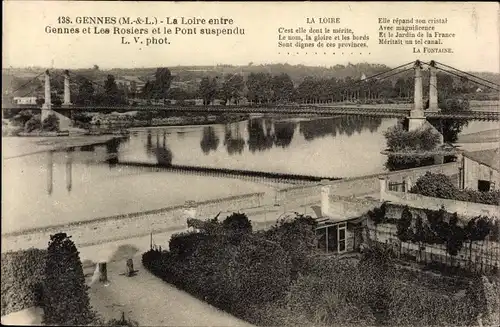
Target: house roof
x=490, y=157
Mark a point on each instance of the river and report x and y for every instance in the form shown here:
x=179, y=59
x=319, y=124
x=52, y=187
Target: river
x=85, y=184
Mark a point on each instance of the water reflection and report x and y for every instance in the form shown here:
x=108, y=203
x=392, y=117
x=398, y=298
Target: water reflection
x=266, y=144
x=233, y=139
x=112, y=149
x=344, y=125
x=284, y=133
x=69, y=169
x=260, y=134
x=160, y=150
x=209, y=141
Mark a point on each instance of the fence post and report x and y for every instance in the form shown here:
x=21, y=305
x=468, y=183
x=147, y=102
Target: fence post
x=103, y=272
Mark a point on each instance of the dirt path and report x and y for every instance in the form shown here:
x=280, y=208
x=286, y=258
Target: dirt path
x=152, y=302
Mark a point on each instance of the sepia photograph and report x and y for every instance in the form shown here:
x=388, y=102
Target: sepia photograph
x=250, y=163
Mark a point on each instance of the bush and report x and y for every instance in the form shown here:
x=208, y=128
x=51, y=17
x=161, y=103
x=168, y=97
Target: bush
x=297, y=237
x=33, y=124
x=262, y=272
x=440, y=186
x=435, y=185
x=238, y=223
x=65, y=297
x=183, y=245
x=122, y=322
x=399, y=139
x=22, y=279
x=51, y=123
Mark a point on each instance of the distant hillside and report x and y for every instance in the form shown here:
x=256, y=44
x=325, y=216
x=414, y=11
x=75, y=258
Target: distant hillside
x=187, y=77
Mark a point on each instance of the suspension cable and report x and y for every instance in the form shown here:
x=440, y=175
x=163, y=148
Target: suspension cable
x=472, y=75
x=460, y=76
x=343, y=88
x=22, y=86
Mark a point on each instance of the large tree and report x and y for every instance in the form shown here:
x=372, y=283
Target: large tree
x=259, y=87
x=208, y=90
x=85, y=92
x=163, y=79
x=282, y=86
x=112, y=95
x=232, y=88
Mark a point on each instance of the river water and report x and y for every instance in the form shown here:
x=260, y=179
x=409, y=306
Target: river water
x=46, y=189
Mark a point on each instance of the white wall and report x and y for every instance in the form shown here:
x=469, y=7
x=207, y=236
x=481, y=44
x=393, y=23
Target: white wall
x=475, y=171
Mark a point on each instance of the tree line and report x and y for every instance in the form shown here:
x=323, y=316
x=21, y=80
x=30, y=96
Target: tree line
x=255, y=87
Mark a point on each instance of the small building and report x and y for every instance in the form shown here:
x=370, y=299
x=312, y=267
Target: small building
x=341, y=222
x=479, y=170
x=25, y=100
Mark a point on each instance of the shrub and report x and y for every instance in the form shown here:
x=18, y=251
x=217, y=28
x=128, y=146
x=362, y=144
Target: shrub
x=65, y=297
x=328, y=294
x=399, y=139
x=22, y=279
x=183, y=245
x=122, y=322
x=51, y=123
x=33, y=124
x=23, y=117
x=404, y=231
x=297, y=237
x=440, y=186
x=262, y=272
x=435, y=185
x=238, y=223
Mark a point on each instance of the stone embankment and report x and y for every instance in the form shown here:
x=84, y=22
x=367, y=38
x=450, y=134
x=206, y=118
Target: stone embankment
x=265, y=206
x=119, y=227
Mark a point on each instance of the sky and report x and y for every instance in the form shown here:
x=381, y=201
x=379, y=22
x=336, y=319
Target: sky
x=26, y=43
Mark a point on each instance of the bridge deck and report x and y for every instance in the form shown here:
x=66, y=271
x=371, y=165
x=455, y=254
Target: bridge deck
x=383, y=110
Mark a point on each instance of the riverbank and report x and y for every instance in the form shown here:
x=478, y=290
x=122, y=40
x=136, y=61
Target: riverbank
x=487, y=136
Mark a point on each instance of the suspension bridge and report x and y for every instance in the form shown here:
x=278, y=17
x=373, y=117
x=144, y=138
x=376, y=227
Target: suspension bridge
x=351, y=99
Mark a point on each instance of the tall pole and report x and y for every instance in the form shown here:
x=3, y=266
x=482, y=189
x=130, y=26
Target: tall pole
x=433, y=91
x=67, y=91
x=418, y=95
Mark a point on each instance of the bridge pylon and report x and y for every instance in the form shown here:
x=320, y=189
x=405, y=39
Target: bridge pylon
x=433, y=88
x=47, y=105
x=417, y=117
x=67, y=91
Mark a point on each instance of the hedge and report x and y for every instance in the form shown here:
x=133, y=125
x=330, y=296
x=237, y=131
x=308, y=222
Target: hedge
x=440, y=186
x=22, y=277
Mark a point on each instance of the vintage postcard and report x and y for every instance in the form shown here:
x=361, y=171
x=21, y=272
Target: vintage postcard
x=250, y=163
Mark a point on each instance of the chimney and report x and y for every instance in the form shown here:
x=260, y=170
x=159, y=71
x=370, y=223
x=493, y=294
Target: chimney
x=383, y=187
x=325, y=198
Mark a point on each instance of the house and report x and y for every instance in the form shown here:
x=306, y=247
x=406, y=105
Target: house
x=25, y=100
x=479, y=170
x=341, y=222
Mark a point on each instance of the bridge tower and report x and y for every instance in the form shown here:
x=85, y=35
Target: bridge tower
x=47, y=105
x=417, y=117
x=433, y=91
x=67, y=91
